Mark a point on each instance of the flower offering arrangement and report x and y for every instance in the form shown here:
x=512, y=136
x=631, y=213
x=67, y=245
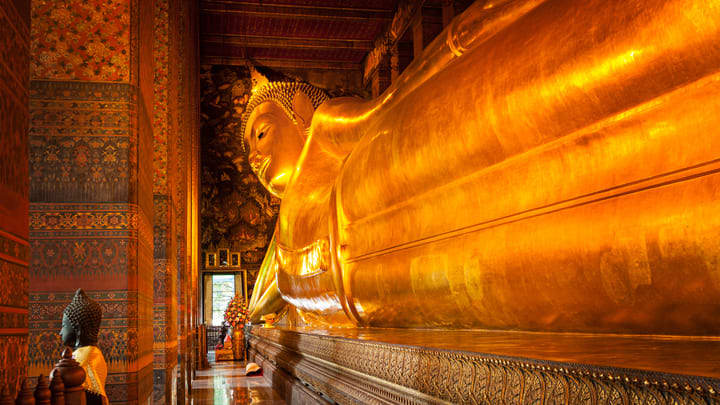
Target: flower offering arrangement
x=237, y=312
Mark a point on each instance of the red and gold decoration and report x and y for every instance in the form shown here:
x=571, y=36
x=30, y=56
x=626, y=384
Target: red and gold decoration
x=225, y=353
x=111, y=172
x=14, y=185
x=237, y=313
x=73, y=41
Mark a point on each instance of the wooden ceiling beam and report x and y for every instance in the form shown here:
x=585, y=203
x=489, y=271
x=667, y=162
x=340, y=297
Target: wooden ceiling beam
x=293, y=11
x=253, y=41
x=281, y=63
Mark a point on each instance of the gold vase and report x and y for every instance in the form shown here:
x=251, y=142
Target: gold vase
x=238, y=344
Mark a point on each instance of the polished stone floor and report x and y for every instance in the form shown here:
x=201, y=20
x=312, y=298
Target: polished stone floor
x=225, y=384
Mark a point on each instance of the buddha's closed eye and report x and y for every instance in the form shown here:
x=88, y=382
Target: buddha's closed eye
x=261, y=135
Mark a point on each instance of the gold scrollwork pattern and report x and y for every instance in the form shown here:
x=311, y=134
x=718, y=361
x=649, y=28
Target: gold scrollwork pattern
x=352, y=371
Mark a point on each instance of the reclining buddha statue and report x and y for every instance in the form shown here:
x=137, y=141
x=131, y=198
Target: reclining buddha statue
x=544, y=165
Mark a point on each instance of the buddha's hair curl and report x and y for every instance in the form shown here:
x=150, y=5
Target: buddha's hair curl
x=282, y=93
x=84, y=314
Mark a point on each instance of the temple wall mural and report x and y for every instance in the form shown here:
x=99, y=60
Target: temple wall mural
x=100, y=184
x=14, y=249
x=236, y=209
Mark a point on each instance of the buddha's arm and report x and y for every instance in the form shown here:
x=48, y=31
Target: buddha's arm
x=265, y=274
x=266, y=297
x=270, y=302
x=303, y=249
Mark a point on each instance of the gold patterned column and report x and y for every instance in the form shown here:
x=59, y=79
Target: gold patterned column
x=91, y=186
x=14, y=246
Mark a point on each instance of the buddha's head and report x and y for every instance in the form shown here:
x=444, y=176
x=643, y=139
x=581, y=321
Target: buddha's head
x=275, y=129
x=81, y=321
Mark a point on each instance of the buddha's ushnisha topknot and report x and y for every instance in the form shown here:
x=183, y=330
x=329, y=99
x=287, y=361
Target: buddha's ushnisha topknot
x=84, y=314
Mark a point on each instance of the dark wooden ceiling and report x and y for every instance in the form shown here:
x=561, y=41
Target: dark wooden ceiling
x=311, y=34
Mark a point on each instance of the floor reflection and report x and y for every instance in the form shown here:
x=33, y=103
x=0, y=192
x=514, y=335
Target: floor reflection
x=225, y=384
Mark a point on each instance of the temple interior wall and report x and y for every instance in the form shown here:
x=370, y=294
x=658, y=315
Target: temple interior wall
x=14, y=248
x=113, y=168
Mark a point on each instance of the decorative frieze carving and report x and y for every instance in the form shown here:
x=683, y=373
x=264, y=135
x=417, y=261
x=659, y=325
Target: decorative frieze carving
x=361, y=371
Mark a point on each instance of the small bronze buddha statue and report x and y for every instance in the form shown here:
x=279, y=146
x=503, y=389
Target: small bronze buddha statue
x=80, y=327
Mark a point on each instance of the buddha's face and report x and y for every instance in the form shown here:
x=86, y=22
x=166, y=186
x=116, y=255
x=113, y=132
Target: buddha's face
x=68, y=335
x=275, y=143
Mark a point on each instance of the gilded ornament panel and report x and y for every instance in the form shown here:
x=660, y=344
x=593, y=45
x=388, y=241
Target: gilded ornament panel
x=471, y=377
x=81, y=40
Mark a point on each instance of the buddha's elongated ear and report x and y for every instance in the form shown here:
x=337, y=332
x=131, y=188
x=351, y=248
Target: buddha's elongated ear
x=303, y=108
x=79, y=338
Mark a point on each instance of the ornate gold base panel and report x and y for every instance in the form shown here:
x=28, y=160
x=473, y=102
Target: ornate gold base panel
x=352, y=371
x=293, y=390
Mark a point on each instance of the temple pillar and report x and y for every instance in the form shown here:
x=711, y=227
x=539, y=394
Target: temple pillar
x=91, y=182
x=386, y=71
x=14, y=246
x=394, y=62
x=165, y=183
x=186, y=194
x=417, y=34
x=448, y=11
x=110, y=161
x=382, y=65
x=181, y=257
x=382, y=76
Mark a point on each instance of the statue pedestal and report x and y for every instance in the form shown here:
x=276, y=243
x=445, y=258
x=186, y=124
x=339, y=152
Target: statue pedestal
x=431, y=366
x=226, y=353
